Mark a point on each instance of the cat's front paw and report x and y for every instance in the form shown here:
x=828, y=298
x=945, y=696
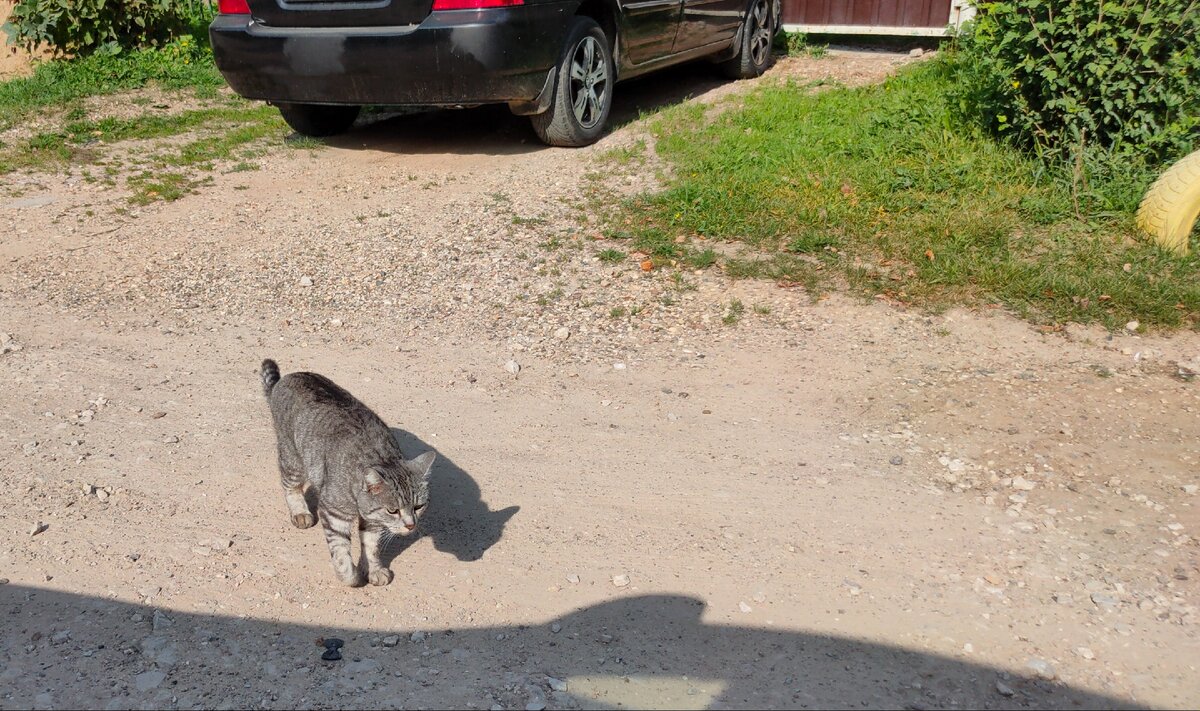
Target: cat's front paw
x=380, y=576
x=304, y=520
x=354, y=580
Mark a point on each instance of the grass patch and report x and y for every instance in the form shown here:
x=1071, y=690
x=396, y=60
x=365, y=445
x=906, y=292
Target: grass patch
x=702, y=259
x=167, y=173
x=624, y=155
x=183, y=64
x=304, y=143
x=550, y=297
x=878, y=190
x=225, y=130
x=611, y=256
x=797, y=44
x=681, y=283
x=85, y=142
x=147, y=126
x=733, y=313
x=150, y=186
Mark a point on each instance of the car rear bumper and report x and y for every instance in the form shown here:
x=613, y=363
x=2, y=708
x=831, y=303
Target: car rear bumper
x=456, y=57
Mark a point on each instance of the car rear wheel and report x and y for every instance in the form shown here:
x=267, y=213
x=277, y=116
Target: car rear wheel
x=582, y=89
x=758, y=32
x=318, y=120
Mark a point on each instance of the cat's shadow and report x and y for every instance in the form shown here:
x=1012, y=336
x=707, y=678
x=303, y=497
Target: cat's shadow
x=458, y=520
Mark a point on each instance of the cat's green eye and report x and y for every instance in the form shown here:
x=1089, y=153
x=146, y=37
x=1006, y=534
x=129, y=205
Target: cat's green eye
x=393, y=511
x=418, y=507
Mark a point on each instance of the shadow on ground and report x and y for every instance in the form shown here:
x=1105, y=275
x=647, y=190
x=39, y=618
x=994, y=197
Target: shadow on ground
x=494, y=130
x=459, y=521
x=73, y=651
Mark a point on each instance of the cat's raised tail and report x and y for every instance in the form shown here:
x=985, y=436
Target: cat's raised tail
x=270, y=375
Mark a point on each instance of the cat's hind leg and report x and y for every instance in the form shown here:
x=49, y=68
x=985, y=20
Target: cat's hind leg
x=291, y=475
x=337, y=535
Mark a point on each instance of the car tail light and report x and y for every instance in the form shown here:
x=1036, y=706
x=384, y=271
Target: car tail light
x=233, y=7
x=473, y=4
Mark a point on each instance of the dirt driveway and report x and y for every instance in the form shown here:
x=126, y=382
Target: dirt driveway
x=828, y=504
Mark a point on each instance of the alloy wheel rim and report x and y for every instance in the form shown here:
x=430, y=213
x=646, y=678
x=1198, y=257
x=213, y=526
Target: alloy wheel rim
x=759, y=28
x=589, y=82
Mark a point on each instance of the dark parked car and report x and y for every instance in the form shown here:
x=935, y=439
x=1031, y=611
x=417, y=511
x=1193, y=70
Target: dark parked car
x=555, y=61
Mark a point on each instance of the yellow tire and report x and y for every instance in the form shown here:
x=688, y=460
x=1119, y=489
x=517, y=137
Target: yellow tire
x=1170, y=208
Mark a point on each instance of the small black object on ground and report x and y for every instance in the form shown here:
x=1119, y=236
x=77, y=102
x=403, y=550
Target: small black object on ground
x=332, y=645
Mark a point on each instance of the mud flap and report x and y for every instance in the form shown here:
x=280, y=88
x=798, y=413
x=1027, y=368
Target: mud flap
x=539, y=105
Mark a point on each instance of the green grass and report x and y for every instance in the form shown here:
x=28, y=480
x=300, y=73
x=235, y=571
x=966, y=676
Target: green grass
x=150, y=186
x=796, y=44
x=878, y=190
x=305, y=143
x=611, y=256
x=733, y=314
x=550, y=297
x=701, y=259
x=624, y=155
x=226, y=129
x=195, y=159
x=183, y=64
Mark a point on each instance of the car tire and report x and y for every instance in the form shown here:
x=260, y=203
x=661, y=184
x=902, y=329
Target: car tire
x=317, y=120
x=582, y=89
x=757, y=35
x=1171, y=206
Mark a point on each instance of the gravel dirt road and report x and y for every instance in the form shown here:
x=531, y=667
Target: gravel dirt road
x=829, y=504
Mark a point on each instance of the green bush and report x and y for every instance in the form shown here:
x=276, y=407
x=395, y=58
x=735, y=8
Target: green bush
x=82, y=27
x=1085, y=79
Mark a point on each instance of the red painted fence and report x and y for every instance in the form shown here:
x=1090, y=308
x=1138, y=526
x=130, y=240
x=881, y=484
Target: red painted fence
x=868, y=13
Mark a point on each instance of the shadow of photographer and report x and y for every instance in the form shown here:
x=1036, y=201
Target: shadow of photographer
x=63, y=650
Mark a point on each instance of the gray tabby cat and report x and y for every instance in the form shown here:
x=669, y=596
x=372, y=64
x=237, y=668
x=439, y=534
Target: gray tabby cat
x=333, y=443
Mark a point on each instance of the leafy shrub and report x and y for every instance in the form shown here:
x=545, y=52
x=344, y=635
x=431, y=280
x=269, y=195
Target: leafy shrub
x=1079, y=78
x=81, y=27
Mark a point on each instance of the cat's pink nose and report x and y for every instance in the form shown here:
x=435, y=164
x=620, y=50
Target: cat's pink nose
x=410, y=526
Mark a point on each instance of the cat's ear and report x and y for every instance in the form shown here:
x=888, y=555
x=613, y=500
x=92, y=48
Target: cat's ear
x=374, y=482
x=423, y=463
